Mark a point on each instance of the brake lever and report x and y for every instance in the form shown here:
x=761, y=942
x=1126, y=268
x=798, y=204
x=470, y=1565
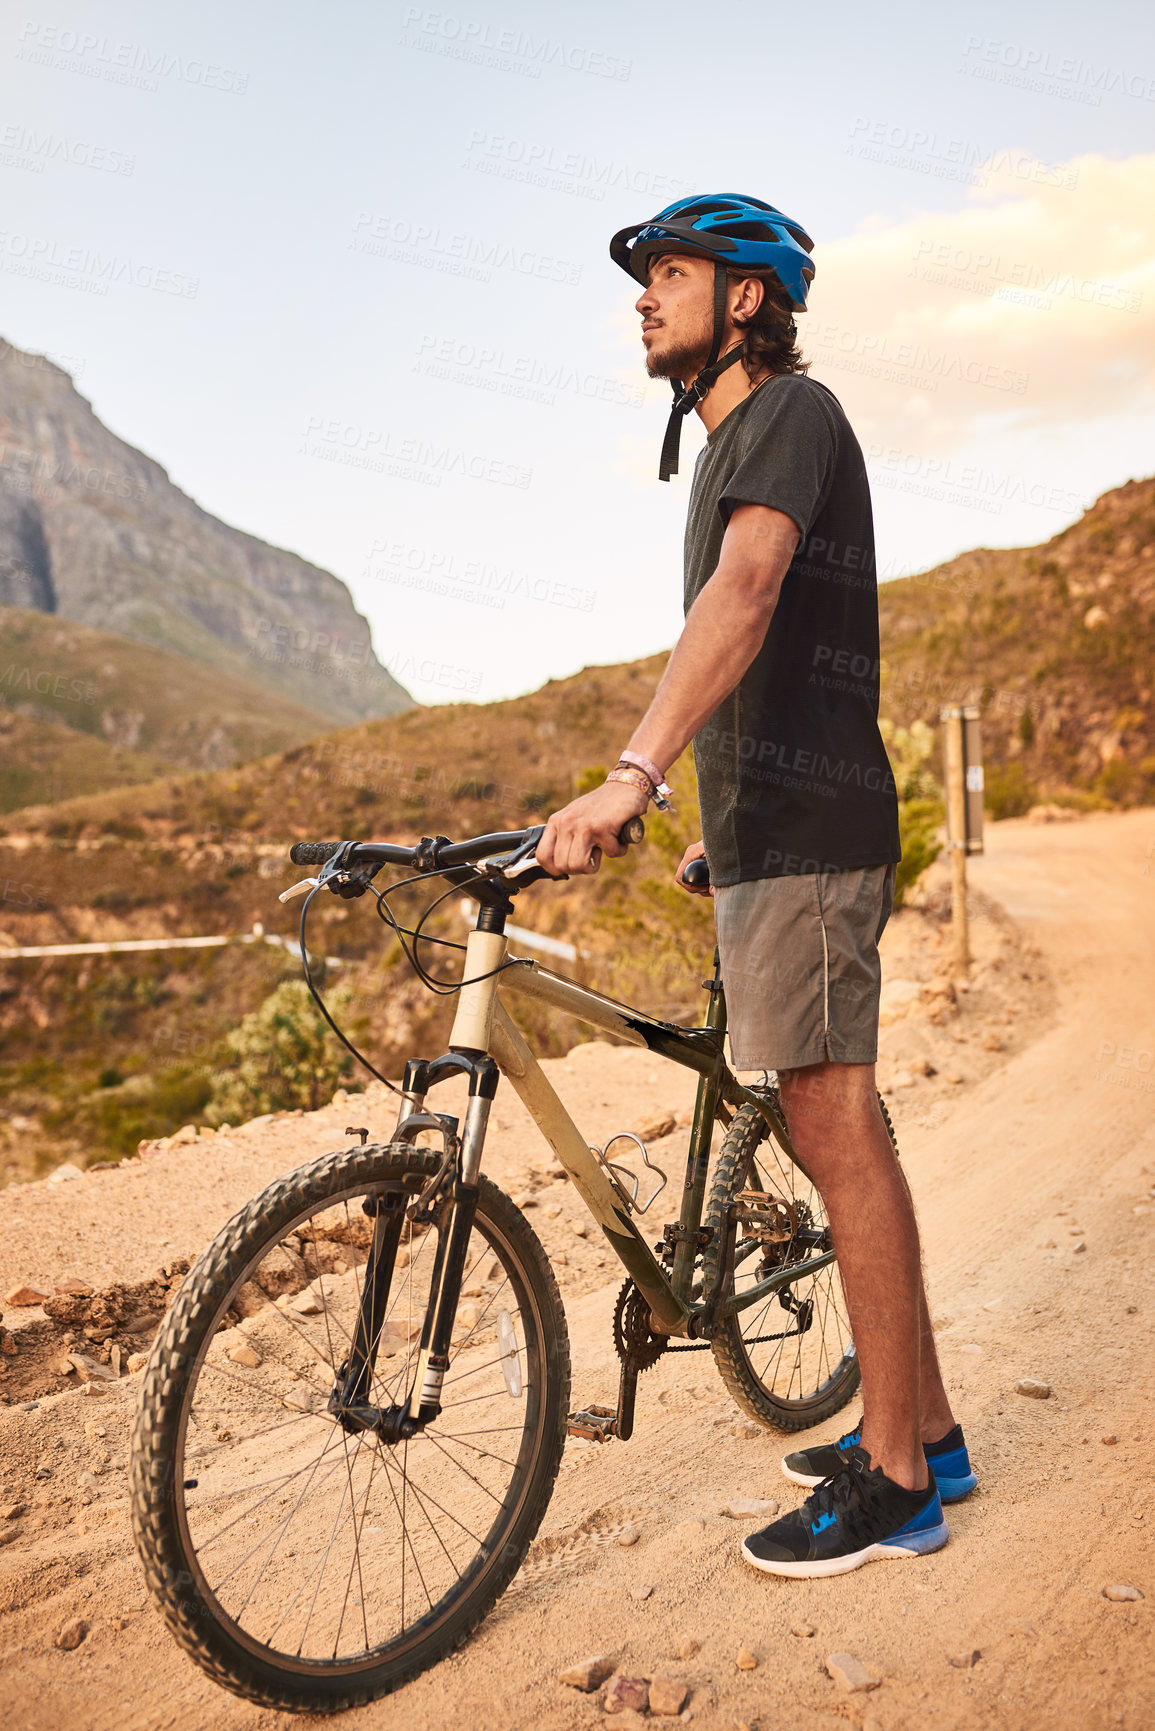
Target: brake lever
x=517, y=860
x=298, y=889
x=345, y=881
x=523, y=858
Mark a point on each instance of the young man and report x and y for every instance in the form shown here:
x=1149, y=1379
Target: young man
x=775, y=679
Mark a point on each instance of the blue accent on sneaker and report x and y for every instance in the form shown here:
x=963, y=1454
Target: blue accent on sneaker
x=951, y=1466
x=855, y=1517
x=927, y=1531
x=948, y=1457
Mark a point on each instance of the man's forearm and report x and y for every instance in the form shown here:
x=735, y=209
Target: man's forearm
x=723, y=633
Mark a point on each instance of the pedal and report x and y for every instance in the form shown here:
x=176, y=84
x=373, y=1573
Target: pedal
x=595, y=1423
x=764, y=1217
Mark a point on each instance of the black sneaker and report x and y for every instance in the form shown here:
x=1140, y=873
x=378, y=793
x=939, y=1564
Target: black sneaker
x=853, y=1518
x=948, y=1457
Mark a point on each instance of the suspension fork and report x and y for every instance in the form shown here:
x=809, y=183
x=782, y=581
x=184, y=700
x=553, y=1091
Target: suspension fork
x=441, y=1311
x=388, y=1213
x=449, y=1202
x=456, y=1212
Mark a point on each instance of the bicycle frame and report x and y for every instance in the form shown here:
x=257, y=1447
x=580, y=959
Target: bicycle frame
x=483, y=1028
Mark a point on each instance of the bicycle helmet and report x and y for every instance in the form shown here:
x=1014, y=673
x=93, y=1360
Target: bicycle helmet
x=738, y=233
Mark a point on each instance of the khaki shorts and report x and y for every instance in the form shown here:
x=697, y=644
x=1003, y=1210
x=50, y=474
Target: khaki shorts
x=800, y=966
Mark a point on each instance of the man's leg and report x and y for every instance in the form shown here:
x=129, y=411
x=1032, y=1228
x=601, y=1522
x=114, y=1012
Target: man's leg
x=837, y=1128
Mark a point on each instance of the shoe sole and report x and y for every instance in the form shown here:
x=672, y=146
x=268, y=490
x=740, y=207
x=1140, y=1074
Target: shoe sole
x=807, y=1479
x=917, y=1545
x=950, y=1490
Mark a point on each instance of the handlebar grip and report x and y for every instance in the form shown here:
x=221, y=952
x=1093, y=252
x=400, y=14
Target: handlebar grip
x=697, y=874
x=312, y=852
x=633, y=830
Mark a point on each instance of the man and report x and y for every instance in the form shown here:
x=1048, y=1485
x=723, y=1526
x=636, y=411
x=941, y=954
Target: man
x=775, y=679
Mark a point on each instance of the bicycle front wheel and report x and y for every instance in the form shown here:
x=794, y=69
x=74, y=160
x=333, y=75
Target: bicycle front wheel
x=789, y=1359
x=303, y=1567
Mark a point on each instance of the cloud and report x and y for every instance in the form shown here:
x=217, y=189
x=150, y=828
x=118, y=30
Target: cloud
x=997, y=362
x=1034, y=303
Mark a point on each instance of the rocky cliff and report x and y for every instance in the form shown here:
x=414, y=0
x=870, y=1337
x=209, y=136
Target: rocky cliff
x=94, y=531
x=1055, y=644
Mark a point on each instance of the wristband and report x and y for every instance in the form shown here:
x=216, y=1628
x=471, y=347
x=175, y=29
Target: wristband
x=635, y=777
x=645, y=764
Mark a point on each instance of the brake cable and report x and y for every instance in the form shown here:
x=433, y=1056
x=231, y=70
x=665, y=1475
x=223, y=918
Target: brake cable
x=443, y=988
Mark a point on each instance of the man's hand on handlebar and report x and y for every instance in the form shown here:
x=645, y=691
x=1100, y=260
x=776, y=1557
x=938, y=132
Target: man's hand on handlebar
x=696, y=850
x=579, y=834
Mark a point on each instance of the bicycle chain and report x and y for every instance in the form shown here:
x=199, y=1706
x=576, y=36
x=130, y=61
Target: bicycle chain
x=634, y=1337
x=757, y=1340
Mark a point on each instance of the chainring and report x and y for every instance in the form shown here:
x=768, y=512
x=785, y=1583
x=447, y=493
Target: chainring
x=634, y=1339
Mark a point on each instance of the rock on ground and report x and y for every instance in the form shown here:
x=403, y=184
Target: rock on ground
x=750, y=1508
x=849, y=1673
x=667, y=1696
x=589, y=1674
x=70, y=1634
x=626, y=1692
x=685, y=1647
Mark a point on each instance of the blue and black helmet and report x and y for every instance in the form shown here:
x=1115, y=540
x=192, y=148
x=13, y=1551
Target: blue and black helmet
x=738, y=233
x=742, y=233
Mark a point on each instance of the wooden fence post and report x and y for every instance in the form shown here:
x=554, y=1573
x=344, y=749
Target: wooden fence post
x=954, y=764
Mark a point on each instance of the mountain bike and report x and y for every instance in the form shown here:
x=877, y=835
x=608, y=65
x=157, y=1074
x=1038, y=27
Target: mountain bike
x=355, y=1409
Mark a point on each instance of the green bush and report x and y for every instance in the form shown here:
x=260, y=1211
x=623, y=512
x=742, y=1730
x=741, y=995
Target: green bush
x=912, y=751
x=918, y=824
x=1009, y=791
x=113, y=1120
x=1124, y=781
x=1078, y=799
x=284, y=1055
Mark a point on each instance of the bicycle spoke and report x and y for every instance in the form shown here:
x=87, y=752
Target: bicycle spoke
x=324, y=1544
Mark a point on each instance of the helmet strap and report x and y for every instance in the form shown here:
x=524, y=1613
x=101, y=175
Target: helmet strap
x=685, y=400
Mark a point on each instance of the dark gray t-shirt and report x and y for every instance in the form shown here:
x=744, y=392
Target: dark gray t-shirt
x=792, y=772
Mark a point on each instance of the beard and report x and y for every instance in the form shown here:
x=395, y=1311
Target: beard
x=679, y=360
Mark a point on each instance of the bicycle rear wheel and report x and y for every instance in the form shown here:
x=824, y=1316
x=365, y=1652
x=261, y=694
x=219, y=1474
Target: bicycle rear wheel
x=300, y=1566
x=788, y=1360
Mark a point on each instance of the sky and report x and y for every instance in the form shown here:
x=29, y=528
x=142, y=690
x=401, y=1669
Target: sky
x=343, y=271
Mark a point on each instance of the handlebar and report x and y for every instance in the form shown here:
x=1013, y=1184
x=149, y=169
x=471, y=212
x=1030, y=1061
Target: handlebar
x=504, y=850
x=431, y=852
x=312, y=852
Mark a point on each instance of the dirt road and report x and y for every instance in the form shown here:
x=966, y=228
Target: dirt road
x=1035, y=1178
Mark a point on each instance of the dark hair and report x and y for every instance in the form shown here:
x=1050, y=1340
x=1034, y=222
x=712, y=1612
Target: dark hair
x=771, y=341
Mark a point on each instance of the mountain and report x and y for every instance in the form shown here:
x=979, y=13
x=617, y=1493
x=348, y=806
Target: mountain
x=83, y=710
x=93, y=531
x=1056, y=644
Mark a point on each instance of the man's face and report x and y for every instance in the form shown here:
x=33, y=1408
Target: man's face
x=677, y=309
